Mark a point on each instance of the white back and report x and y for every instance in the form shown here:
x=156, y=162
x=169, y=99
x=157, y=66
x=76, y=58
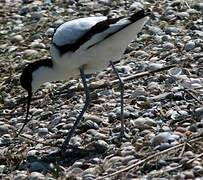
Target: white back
x=71, y=31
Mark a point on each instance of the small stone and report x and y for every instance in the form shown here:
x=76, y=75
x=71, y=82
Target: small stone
x=2, y=168
x=193, y=128
x=37, y=45
x=175, y=71
x=43, y=131
x=198, y=113
x=50, y=32
x=89, y=174
x=198, y=170
x=17, y=39
x=172, y=30
x=74, y=173
x=30, y=53
x=163, y=146
x=89, y=125
x=33, y=153
x=37, y=167
x=160, y=138
x=136, y=5
x=58, y=22
x=154, y=66
x=127, y=159
x=23, y=11
x=190, y=45
x=105, y=2
x=183, y=15
x=143, y=123
x=198, y=6
x=20, y=176
x=76, y=141
x=116, y=114
x=181, y=129
x=93, y=118
x=188, y=154
x=96, y=135
x=168, y=46
x=45, y=115
x=9, y=102
x=36, y=16
x=141, y=54
x=4, y=129
x=101, y=146
x=139, y=92
x=189, y=175
x=36, y=176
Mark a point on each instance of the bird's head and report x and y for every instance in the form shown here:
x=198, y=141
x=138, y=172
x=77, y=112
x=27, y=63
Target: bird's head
x=26, y=83
x=30, y=83
x=26, y=79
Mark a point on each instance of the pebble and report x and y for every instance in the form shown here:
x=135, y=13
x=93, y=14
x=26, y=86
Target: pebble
x=160, y=138
x=188, y=154
x=20, y=175
x=139, y=92
x=183, y=15
x=141, y=54
x=93, y=118
x=154, y=66
x=198, y=171
x=190, y=45
x=23, y=11
x=50, y=32
x=198, y=113
x=76, y=141
x=30, y=53
x=33, y=153
x=90, y=125
x=168, y=46
x=17, y=39
x=58, y=22
x=189, y=175
x=37, y=45
x=96, y=135
x=36, y=176
x=175, y=72
x=163, y=146
x=2, y=169
x=4, y=129
x=105, y=2
x=143, y=123
x=37, y=167
x=198, y=6
x=89, y=174
x=43, y=131
x=136, y=5
x=172, y=30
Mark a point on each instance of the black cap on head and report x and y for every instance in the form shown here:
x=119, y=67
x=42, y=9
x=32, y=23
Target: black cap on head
x=26, y=83
x=26, y=79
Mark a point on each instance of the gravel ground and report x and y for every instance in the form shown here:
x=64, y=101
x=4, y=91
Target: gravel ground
x=163, y=70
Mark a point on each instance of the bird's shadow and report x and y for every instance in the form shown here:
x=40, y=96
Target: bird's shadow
x=69, y=156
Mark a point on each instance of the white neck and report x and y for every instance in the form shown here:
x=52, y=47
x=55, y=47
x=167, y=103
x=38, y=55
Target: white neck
x=46, y=74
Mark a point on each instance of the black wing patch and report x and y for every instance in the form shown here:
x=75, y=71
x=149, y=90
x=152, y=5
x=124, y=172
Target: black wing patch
x=98, y=28
x=133, y=18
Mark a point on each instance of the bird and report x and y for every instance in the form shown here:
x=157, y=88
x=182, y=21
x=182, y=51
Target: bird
x=79, y=47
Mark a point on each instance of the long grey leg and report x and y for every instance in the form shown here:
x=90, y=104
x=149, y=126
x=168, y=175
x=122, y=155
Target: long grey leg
x=121, y=84
x=87, y=103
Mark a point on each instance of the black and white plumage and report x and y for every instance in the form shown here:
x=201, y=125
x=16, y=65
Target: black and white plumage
x=80, y=46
